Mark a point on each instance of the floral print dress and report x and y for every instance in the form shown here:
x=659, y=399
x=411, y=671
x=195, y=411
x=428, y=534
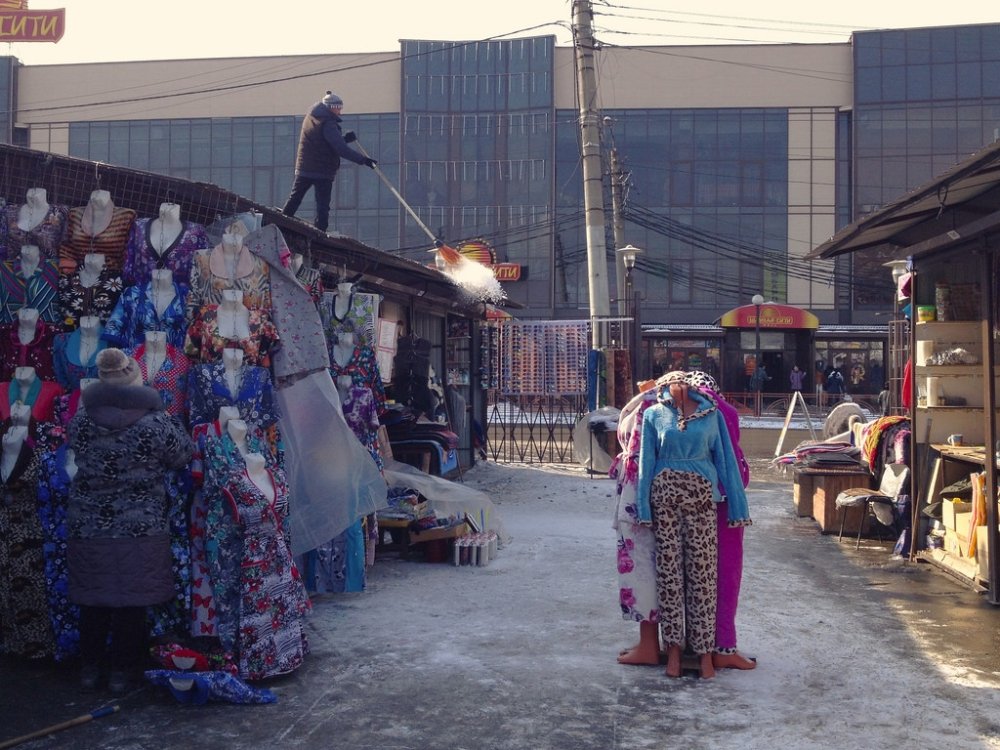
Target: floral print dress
x=208, y=392
x=637, y=593
x=70, y=368
x=99, y=299
x=47, y=235
x=53, y=496
x=205, y=344
x=36, y=353
x=141, y=258
x=136, y=313
x=273, y=601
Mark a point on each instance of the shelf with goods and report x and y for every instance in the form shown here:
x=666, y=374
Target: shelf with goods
x=949, y=396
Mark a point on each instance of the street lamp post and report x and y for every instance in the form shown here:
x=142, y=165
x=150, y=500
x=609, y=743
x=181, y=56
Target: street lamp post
x=757, y=300
x=628, y=255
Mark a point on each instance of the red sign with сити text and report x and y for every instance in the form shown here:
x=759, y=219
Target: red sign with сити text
x=18, y=24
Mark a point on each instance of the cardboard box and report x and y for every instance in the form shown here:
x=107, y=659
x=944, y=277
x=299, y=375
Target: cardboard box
x=441, y=532
x=955, y=545
x=949, y=511
x=963, y=523
x=983, y=553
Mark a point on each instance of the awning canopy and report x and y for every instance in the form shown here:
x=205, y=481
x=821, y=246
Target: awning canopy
x=961, y=204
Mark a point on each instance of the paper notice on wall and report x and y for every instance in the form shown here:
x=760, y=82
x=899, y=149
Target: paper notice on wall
x=385, y=347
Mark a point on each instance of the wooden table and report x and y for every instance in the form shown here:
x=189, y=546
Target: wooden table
x=824, y=485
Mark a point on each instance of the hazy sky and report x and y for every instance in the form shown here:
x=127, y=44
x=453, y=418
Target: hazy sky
x=106, y=30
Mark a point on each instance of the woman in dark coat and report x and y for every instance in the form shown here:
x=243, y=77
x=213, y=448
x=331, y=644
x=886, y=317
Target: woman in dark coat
x=119, y=539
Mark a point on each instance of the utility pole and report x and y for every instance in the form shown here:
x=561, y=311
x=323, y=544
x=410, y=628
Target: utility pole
x=618, y=225
x=593, y=188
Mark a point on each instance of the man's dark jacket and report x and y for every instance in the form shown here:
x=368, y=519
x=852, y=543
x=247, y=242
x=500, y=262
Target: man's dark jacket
x=321, y=145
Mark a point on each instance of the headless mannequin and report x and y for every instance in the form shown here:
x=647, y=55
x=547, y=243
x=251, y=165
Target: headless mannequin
x=29, y=260
x=13, y=439
x=232, y=363
x=237, y=430
x=35, y=209
x=296, y=262
x=85, y=383
x=90, y=336
x=154, y=353
x=90, y=271
x=232, y=245
x=344, y=383
x=98, y=213
x=27, y=322
x=342, y=300
x=25, y=377
x=343, y=350
x=234, y=317
x=227, y=414
x=162, y=289
x=70, y=467
x=166, y=228
x=257, y=473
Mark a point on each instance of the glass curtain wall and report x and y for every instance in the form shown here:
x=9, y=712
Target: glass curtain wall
x=707, y=202
x=478, y=152
x=925, y=99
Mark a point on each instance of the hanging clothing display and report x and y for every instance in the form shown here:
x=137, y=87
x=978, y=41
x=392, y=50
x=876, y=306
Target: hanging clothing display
x=303, y=342
x=69, y=367
x=98, y=299
x=53, y=496
x=25, y=629
x=204, y=342
x=208, y=392
x=136, y=313
x=80, y=239
x=142, y=258
x=41, y=396
x=363, y=371
x=47, y=235
x=39, y=291
x=362, y=314
x=209, y=278
x=312, y=281
x=36, y=353
x=272, y=640
x=170, y=380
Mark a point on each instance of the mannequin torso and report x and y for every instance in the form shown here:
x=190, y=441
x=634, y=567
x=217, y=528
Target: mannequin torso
x=232, y=363
x=27, y=323
x=237, y=430
x=34, y=211
x=342, y=300
x=90, y=335
x=98, y=213
x=296, y=262
x=226, y=415
x=154, y=353
x=29, y=260
x=258, y=474
x=14, y=438
x=232, y=244
x=162, y=290
x=234, y=317
x=166, y=228
x=343, y=350
x=90, y=271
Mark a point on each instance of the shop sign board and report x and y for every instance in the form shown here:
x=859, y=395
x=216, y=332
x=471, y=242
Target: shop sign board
x=481, y=252
x=771, y=316
x=18, y=24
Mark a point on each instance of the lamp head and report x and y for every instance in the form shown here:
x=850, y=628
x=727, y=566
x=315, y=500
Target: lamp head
x=629, y=255
x=757, y=299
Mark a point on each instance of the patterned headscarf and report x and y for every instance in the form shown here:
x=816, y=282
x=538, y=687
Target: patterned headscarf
x=700, y=379
x=674, y=376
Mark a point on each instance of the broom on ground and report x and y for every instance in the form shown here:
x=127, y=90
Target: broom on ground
x=97, y=714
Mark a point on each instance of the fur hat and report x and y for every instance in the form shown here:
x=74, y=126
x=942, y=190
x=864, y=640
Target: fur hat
x=115, y=367
x=332, y=100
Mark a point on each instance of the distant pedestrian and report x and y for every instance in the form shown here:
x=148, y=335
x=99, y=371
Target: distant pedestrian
x=795, y=378
x=322, y=145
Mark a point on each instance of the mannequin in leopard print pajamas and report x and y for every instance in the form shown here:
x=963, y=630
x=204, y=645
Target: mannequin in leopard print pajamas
x=685, y=456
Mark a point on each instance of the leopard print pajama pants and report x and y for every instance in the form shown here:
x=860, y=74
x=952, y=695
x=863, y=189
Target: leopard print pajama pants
x=684, y=524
